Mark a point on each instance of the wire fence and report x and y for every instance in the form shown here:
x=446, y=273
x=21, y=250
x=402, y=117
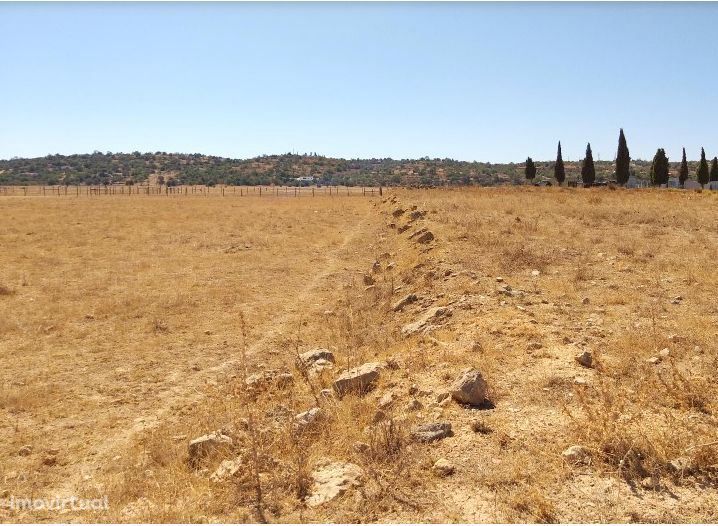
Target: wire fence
x=193, y=190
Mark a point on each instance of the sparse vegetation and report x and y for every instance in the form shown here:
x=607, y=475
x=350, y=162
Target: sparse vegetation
x=179, y=334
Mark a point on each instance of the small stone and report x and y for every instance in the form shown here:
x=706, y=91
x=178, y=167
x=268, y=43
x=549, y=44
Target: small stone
x=650, y=483
x=49, y=460
x=413, y=389
x=499, y=279
x=309, y=358
x=443, y=468
x=577, y=455
x=333, y=479
x=535, y=273
x=226, y=470
x=674, y=338
x=432, y=432
x=580, y=380
x=24, y=451
x=585, y=359
x=204, y=445
x=534, y=346
x=442, y=396
x=414, y=405
x=664, y=353
x=368, y=279
x=470, y=388
x=357, y=380
x=386, y=400
x=406, y=300
x=654, y=360
x=585, y=301
x=307, y=419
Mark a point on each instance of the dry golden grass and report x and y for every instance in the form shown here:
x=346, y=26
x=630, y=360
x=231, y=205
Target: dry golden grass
x=122, y=339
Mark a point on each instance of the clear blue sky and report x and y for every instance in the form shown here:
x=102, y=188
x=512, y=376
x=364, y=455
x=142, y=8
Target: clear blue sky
x=492, y=82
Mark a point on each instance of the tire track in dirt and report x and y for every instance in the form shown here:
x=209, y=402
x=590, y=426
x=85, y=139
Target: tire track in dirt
x=188, y=390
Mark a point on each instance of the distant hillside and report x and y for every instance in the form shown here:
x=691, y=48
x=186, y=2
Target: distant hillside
x=175, y=168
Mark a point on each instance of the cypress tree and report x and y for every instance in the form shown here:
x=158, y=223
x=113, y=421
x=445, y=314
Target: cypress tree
x=714, y=169
x=559, y=171
x=702, y=173
x=659, y=168
x=683, y=172
x=530, y=169
x=588, y=170
x=623, y=160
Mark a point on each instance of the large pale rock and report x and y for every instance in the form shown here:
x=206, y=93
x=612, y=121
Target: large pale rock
x=358, y=380
x=205, y=445
x=331, y=480
x=469, y=388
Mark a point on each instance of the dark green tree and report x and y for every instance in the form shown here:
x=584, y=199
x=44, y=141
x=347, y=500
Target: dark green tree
x=588, y=170
x=714, y=169
x=659, y=168
x=683, y=171
x=530, y=169
x=559, y=172
x=702, y=173
x=623, y=160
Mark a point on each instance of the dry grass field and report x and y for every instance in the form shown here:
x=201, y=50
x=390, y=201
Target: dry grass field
x=131, y=326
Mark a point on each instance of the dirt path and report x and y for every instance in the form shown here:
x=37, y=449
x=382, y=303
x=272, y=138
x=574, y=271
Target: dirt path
x=181, y=390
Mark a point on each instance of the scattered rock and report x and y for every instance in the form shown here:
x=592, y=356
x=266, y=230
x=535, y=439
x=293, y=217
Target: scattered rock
x=535, y=273
x=413, y=389
x=309, y=358
x=443, y=468
x=386, y=400
x=580, y=380
x=432, y=432
x=427, y=321
x=681, y=466
x=49, y=460
x=479, y=426
x=414, y=405
x=585, y=359
x=654, y=360
x=650, y=483
x=577, y=455
x=674, y=338
x=499, y=279
x=442, y=396
x=308, y=419
x=357, y=380
x=24, y=451
x=664, y=353
x=262, y=379
x=585, y=301
x=534, y=346
x=226, y=470
x=200, y=447
x=368, y=279
x=333, y=479
x=406, y=300
x=398, y=212
x=376, y=267
x=469, y=388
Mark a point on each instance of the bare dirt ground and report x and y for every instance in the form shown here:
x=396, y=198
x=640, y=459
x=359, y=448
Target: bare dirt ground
x=121, y=339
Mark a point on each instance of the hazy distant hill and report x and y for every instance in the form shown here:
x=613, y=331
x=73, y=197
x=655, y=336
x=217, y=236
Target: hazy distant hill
x=175, y=168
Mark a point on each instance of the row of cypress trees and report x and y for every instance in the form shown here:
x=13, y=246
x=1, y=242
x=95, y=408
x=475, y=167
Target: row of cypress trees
x=659, y=168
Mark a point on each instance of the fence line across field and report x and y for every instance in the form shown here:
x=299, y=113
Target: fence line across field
x=189, y=190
